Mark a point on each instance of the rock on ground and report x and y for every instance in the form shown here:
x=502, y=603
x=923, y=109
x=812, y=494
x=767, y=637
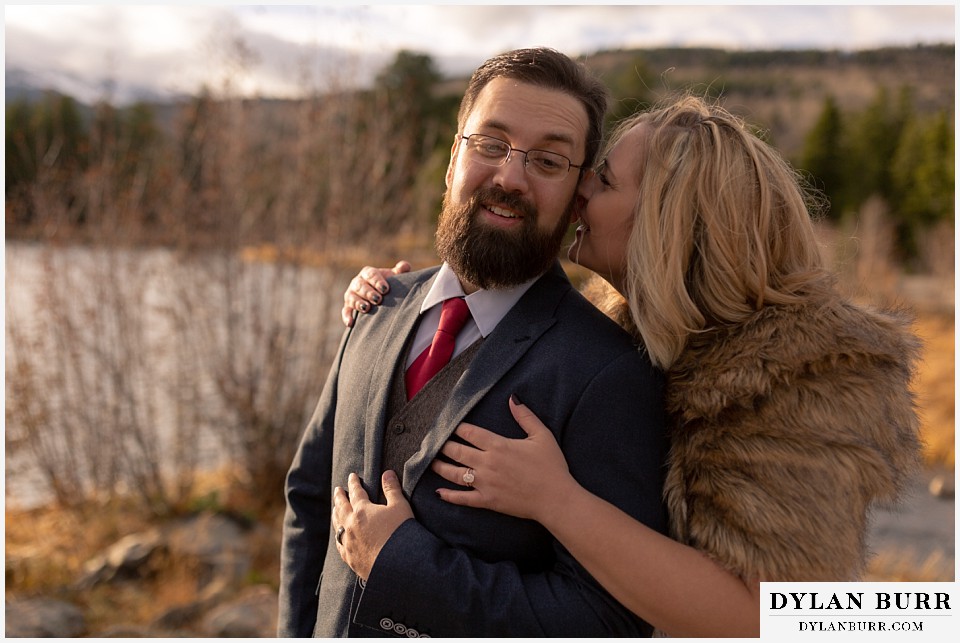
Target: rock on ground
x=43, y=618
x=252, y=615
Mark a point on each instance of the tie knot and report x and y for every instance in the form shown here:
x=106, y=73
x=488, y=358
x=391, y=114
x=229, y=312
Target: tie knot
x=453, y=315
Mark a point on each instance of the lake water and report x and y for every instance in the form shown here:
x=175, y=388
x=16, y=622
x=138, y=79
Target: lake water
x=120, y=352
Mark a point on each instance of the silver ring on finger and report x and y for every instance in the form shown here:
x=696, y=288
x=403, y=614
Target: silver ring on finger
x=469, y=477
x=340, y=531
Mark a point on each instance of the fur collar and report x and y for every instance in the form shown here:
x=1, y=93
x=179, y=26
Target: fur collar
x=734, y=365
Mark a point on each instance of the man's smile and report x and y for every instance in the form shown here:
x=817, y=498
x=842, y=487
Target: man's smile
x=503, y=212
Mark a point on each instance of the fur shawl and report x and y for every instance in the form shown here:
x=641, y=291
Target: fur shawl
x=786, y=430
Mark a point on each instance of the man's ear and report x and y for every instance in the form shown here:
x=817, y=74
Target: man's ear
x=454, y=151
x=579, y=203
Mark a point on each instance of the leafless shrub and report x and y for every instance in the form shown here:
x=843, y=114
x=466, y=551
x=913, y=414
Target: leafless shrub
x=83, y=400
x=861, y=253
x=937, y=251
x=131, y=365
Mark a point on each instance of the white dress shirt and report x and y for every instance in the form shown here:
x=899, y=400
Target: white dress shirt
x=487, y=308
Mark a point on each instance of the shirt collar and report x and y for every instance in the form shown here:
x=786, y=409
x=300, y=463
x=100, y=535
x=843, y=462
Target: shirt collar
x=487, y=307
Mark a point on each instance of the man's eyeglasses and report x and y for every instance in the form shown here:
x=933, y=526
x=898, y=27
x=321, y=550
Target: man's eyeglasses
x=539, y=163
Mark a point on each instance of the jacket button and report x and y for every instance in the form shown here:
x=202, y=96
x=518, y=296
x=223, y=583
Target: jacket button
x=399, y=428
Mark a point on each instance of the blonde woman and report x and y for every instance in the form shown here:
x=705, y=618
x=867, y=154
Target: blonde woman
x=790, y=405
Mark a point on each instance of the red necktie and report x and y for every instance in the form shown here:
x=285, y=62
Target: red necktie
x=453, y=316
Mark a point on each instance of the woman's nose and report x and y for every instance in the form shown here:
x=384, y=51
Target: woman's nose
x=587, y=184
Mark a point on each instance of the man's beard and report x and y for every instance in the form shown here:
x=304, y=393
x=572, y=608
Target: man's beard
x=492, y=258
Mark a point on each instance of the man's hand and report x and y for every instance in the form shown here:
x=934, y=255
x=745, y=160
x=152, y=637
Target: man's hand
x=366, y=526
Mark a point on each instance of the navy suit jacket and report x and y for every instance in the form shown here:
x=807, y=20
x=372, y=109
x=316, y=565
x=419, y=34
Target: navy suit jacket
x=459, y=571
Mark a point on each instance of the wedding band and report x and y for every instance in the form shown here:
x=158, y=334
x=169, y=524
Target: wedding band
x=469, y=477
x=340, y=531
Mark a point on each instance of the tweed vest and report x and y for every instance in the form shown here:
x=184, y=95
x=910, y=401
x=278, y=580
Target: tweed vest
x=410, y=421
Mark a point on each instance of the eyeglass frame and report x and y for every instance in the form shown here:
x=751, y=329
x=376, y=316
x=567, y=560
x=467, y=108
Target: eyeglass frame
x=526, y=161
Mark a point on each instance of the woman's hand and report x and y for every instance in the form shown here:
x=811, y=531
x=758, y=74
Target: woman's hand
x=367, y=289
x=367, y=526
x=525, y=478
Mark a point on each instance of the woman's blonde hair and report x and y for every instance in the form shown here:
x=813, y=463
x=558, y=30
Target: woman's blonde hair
x=722, y=227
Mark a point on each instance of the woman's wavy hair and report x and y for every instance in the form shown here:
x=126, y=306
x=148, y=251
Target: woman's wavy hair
x=722, y=227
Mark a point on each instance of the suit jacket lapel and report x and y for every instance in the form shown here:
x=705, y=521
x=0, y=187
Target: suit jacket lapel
x=383, y=365
x=532, y=316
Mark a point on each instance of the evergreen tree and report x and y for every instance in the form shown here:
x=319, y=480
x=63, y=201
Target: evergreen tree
x=47, y=144
x=630, y=90
x=104, y=134
x=194, y=138
x=21, y=155
x=408, y=86
x=824, y=158
x=922, y=174
x=67, y=133
x=140, y=138
x=401, y=127
x=875, y=135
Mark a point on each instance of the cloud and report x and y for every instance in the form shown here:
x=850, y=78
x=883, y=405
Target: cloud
x=280, y=50
x=119, y=46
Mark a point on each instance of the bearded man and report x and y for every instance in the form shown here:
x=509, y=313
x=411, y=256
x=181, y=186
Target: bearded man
x=453, y=343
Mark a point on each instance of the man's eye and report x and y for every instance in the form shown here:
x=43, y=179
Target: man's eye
x=548, y=163
x=490, y=149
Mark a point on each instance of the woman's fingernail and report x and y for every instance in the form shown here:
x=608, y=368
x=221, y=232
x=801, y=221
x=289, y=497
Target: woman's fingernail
x=363, y=307
x=376, y=298
x=383, y=288
x=515, y=399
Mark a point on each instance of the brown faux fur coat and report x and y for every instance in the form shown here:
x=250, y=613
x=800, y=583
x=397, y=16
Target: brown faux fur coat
x=787, y=429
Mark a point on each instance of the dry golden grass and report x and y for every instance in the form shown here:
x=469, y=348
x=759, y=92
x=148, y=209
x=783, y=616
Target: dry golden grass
x=935, y=388
x=51, y=565
x=47, y=546
x=405, y=245
x=170, y=583
x=900, y=567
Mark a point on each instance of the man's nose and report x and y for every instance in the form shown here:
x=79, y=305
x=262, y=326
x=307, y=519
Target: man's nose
x=512, y=174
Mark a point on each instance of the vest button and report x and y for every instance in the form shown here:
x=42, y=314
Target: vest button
x=399, y=428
